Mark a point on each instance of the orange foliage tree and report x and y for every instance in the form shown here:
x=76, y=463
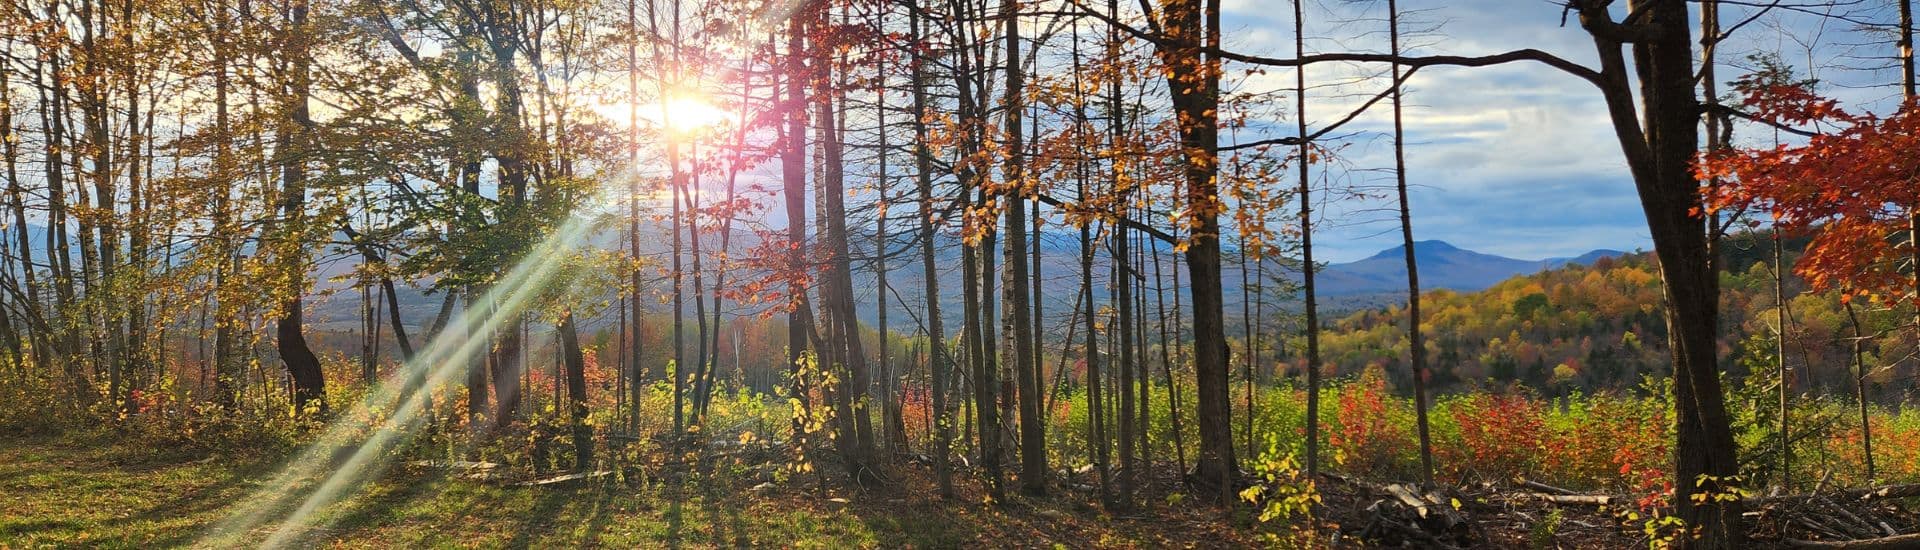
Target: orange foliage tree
x=1854, y=183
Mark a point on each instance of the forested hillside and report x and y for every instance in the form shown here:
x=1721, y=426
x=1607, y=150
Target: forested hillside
x=1599, y=327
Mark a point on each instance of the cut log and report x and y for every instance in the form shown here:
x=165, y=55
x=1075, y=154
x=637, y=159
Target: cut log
x=569, y=478
x=1901, y=542
x=1434, y=512
x=455, y=465
x=1545, y=488
x=1576, y=500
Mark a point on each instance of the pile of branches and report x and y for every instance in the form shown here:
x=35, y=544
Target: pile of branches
x=1490, y=515
x=1868, y=518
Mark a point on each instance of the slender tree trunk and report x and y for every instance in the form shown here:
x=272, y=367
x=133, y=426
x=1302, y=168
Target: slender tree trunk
x=226, y=374
x=1246, y=331
x=1860, y=390
x=1416, y=347
x=940, y=362
x=896, y=431
x=977, y=252
x=846, y=343
x=1093, y=381
x=1166, y=365
x=1143, y=371
x=576, y=369
x=793, y=178
x=984, y=409
x=1033, y=442
x=1307, y=267
x=53, y=109
x=17, y=202
x=309, y=383
x=1785, y=465
x=1909, y=93
x=1123, y=327
x=636, y=388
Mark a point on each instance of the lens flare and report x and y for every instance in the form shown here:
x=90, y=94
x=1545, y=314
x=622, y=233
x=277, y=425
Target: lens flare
x=688, y=115
x=402, y=399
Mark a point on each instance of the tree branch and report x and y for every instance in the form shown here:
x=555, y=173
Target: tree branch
x=1296, y=140
x=1723, y=109
x=1528, y=54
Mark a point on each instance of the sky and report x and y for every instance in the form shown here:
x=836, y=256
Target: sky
x=1518, y=159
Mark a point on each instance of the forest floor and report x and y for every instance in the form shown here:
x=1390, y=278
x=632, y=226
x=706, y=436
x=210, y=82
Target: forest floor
x=93, y=491
x=100, y=493
x=68, y=492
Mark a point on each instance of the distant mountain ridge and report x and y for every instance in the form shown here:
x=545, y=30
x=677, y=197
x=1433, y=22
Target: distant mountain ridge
x=1374, y=281
x=1442, y=265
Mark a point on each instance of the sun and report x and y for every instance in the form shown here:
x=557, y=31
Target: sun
x=690, y=115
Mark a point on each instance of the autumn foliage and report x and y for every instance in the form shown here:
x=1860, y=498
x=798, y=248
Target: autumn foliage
x=1856, y=179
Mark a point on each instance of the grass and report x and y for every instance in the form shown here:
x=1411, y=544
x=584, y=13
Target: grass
x=67, y=491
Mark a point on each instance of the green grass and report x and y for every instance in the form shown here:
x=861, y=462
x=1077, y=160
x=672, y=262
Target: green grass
x=91, y=491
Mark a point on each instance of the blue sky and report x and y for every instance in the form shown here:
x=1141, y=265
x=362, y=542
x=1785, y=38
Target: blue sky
x=1517, y=160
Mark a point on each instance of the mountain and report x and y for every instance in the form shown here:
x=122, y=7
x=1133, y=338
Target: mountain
x=1442, y=266
x=1371, y=282
x=1584, y=259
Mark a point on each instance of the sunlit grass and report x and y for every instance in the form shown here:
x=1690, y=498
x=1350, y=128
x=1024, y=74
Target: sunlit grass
x=366, y=434
x=88, y=490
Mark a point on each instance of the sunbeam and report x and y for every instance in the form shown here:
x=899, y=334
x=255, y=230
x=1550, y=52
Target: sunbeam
x=447, y=355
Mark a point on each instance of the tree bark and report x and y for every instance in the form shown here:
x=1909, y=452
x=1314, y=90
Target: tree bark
x=1416, y=346
x=1193, y=78
x=940, y=361
x=309, y=383
x=1033, y=442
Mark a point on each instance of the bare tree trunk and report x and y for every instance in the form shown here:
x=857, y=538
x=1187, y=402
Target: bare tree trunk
x=1909, y=93
x=97, y=239
x=1660, y=156
x=309, y=383
x=1416, y=347
x=896, y=431
x=940, y=361
x=636, y=388
x=986, y=416
x=50, y=76
x=1123, y=327
x=978, y=260
x=576, y=369
x=1194, y=79
x=1307, y=267
x=226, y=373
x=844, y=341
x=136, y=356
x=17, y=202
x=1166, y=364
x=1784, y=467
x=1033, y=442
x=794, y=189
x=1860, y=389
x=1143, y=371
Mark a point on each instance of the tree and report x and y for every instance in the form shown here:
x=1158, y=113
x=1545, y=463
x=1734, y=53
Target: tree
x=1033, y=439
x=1416, y=347
x=1849, y=186
x=939, y=359
x=1311, y=308
x=1187, y=35
x=294, y=144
